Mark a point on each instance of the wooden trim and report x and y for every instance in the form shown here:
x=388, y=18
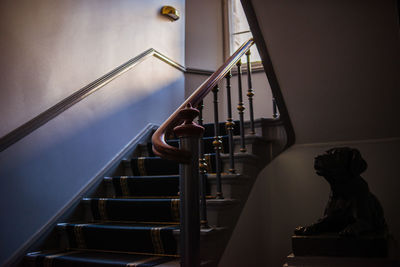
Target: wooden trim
x=199, y=71
x=30, y=126
x=269, y=70
x=40, y=236
x=225, y=28
x=255, y=68
x=160, y=147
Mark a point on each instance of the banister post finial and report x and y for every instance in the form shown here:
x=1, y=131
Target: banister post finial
x=188, y=127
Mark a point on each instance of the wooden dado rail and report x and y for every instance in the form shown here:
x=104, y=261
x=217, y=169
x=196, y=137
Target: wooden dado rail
x=30, y=126
x=192, y=184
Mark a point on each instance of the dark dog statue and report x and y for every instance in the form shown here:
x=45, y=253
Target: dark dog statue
x=352, y=210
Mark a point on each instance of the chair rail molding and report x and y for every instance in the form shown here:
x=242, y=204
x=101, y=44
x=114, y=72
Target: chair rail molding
x=44, y=117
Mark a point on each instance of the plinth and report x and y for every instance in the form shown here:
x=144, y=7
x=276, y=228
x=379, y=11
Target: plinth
x=333, y=245
x=334, y=251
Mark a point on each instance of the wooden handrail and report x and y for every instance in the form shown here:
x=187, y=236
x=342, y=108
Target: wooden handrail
x=160, y=147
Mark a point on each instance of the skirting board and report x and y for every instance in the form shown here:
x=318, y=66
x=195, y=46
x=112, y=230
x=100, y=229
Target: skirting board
x=64, y=212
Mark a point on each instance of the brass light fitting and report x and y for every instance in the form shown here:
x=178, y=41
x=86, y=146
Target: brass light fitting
x=170, y=12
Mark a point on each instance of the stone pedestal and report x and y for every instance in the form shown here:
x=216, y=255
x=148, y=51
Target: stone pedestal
x=318, y=261
x=334, y=251
x=338, y=246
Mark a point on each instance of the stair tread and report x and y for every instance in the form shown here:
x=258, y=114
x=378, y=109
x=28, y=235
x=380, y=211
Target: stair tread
x=135, y=226
x=96, y=258
x=157, y=158
x=142, y=177
x=119, y=225
x=133, y=199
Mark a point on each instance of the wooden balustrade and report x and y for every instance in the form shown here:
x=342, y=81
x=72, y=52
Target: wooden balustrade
x=190, y=154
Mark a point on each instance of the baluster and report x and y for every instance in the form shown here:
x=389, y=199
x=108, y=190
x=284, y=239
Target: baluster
x=189, y=134
x=241, y=107
x=217, y=143
x=229, y=123
x=250, y=93
x=203, y=174
x=274, y=109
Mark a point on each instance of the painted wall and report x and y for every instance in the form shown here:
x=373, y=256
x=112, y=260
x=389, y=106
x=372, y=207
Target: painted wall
x=204, y=34
x=338, y=65
x=50, y=49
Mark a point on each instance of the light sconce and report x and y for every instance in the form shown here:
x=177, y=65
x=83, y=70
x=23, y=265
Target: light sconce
x=170, y=12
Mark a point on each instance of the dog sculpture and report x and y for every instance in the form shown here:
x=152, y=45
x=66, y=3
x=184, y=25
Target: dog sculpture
x=352, y=210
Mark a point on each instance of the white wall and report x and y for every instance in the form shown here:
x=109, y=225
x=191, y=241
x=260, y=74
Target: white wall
x=204, y=34
x=51, y=49
x=338, y=66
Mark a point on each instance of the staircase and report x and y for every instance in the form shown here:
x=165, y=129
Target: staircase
x=148, y=212
x=132, y=219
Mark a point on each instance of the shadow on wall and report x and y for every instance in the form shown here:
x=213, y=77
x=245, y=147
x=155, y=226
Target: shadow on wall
x=44, y=171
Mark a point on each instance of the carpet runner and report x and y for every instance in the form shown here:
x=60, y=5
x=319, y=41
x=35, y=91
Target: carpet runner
x=138, y=225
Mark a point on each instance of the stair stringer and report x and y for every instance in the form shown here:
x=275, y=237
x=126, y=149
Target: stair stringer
x=47, y=237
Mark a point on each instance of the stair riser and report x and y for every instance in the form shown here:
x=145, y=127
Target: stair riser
x=257, y=147
x=243, y=164
x=133, y=211
x=125, y=187
x=229, y=190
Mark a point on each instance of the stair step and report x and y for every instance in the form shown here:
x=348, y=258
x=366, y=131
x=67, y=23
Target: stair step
x=144, y=166
x=146, y=150
x=128, y=186
x=209, y=129
x=134, y=210
x=155, y=166
x=125, y=237
x=68, y=258
x=149, y=210
x=208, y=146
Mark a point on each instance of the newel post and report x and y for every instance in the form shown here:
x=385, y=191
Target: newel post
x=189, y=134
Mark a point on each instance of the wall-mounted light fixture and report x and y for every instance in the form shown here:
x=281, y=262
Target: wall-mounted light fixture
x=170, y=12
